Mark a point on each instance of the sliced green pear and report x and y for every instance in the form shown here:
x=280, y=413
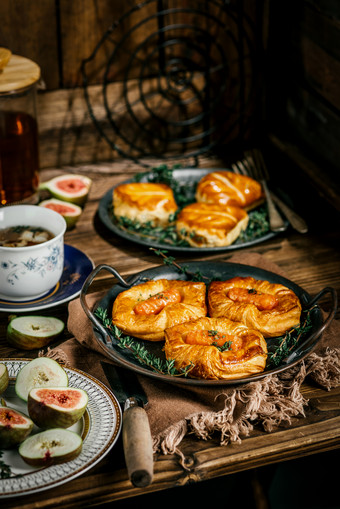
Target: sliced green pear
x=40, y=372
x=52, y=407
x=70, y=188
x=4, y=377
x=49, y=447
x=70, y=211
x=30, y=332
x=14, y=427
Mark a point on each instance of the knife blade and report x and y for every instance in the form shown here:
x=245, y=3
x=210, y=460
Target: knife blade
x=136, y=434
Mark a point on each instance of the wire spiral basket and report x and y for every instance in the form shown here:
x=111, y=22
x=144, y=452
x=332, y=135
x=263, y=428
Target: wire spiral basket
x=178, y=80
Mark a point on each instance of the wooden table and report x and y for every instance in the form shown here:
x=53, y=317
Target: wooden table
x=311, y=260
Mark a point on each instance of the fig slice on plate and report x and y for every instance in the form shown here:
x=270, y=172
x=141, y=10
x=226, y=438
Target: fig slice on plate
x=70, y=188
x=40, y=372
x=49, y=447
x=61, y=407
x=14, y=427
x=30, y=332
x=4, y=377
x=70, y=211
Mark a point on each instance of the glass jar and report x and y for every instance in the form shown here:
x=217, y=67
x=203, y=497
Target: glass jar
x=19, y=150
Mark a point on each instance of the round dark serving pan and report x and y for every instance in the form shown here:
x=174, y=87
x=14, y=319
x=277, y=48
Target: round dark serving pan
x=185, y=178
x=210, y=270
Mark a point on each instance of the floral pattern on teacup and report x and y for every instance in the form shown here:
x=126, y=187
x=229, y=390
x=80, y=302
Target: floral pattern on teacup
x=53, y=261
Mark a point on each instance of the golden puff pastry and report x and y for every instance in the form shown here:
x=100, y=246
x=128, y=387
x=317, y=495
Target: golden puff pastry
x=207, y=225
x=227, y=188
x=144, y=202
x=147, y=309
x=218, y=348
x=270, y=308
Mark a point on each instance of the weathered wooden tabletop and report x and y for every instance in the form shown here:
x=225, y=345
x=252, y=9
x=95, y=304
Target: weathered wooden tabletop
x=311, y=260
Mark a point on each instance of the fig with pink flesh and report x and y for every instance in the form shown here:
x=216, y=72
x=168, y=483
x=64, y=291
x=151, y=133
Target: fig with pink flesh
x=60, y=407
x=49, y=447
x=14, y=427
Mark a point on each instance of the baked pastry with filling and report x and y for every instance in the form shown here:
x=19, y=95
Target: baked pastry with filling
x=147, y=309
x=145, y=202
x=217, y=348
x=208, y=225
x=225, y=187
x=270, y=308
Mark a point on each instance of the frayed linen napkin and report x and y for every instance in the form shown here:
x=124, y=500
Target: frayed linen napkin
x=229, y=411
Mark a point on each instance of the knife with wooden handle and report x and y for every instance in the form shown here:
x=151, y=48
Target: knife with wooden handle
x=136, y=434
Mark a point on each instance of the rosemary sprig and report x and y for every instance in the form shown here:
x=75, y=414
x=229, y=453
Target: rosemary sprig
x=167, y=235
x=139, y=351
x=289, y=341
x=170, y=260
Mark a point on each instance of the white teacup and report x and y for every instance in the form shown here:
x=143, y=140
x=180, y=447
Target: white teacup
x=29, y=272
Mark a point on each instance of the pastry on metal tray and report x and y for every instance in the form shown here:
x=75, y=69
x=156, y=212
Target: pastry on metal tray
x=224, y=187
x=216, y=348
x=144, y=202
x=268, y=307
x=147, y=309
x=208, y=225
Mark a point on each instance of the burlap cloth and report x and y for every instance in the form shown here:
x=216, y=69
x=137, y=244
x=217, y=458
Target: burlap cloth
x=229, y=412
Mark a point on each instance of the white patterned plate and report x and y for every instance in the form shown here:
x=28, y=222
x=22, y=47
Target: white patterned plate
x=99, y=428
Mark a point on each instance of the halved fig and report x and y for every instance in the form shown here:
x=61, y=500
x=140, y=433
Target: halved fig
x=14, y=427
x=51, y=407
x=31, y=332
x=49, y=447
x=71, y=188
x=4, y=377
x=40, y=372
x=70, y=211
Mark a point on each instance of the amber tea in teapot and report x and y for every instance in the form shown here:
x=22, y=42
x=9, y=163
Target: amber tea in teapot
x=19, y=153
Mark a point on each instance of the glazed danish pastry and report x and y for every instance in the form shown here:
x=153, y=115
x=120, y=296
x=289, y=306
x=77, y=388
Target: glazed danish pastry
x=218, y=348
x=144, y=202
x=270, y=308
x=208, y=225
x=227, y=188
x=147, y=309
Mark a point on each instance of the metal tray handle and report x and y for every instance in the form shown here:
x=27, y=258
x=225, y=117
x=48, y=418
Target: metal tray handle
x=101, y=330
x=312, y=340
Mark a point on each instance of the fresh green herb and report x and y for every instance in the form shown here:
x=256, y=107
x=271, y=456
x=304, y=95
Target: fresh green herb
x=258, y=225
x=139, y=351
x=170, y=260
x=287, y=342
x=223, y=348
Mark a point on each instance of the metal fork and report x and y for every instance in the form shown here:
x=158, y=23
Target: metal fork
x=254, y=166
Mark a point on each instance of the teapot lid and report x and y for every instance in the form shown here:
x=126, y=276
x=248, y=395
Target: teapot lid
x=16, y=72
